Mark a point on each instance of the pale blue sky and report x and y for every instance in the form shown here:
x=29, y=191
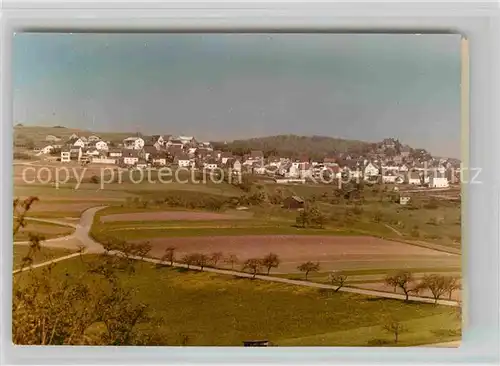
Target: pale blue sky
x=226, y=86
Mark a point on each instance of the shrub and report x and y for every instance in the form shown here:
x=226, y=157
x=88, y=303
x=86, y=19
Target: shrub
x=432, y=204
x=378, y=342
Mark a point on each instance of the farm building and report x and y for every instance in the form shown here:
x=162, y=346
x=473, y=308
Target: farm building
x=293, y=202
x=403, y=200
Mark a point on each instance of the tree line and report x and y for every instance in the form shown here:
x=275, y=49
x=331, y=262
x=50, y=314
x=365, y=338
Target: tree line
x=438, y=285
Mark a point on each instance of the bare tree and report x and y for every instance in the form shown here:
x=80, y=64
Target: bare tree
x=232, y=259
x=270, y=261
x=201, y=260
x=337, y=279
x=169, y=255
x=253, y=265
x=188, y=260
x=395, y=327
x=215, y=258
x=453, y=285
x=308, y=267
x=403, y=280
x=438, y=285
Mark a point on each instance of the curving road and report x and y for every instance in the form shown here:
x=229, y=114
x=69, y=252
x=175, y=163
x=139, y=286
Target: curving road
x=91, y=246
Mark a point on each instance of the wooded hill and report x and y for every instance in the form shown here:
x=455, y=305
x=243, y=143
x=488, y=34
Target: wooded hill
x=314, y=147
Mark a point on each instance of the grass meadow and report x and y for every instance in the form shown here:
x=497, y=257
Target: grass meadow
x=206, y=309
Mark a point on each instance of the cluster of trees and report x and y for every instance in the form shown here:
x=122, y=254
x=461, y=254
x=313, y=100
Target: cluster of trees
x=201, y=260
x=311, y=217
x=183, y=199
x=437, y=285
x=252, y=265
x=314, y=147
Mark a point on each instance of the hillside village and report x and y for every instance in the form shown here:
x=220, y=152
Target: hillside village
x=388, y=161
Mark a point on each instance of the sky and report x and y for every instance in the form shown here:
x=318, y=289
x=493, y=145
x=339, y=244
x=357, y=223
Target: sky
x=232, y=86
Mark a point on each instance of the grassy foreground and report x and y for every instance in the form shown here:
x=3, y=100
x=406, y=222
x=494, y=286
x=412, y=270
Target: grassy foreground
x=45, y=254
x=197, y=308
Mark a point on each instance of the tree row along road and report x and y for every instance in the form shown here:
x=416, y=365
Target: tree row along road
x=91, y=246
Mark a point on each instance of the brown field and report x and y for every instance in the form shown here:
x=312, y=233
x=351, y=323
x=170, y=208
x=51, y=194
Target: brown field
x=333, y=252
x=172, y=216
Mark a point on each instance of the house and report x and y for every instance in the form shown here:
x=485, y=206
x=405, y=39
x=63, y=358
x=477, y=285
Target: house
x=46, y=149
x=65, y=155
x=236, y=166
x=135, y=143
x=335, y=171
x=142, y=163
x=225, y=156
x=217, y=154
x=293, y=202
x=93, y=138
x=79, y=142
x=91, y=152
x=73, y=137
x=148, y=151
x=52, y=138
x=405, y=151
x=389, y=177
x=438, y=180
x=274, y=161
x=175, y=150
x=293, y=172
x=100, y=145
x=130, y=156
x=157, y=139
x=414, y=178
x=351, y=169
x=182, y=160
x=203, y=153
x=175, y=143
x=187, y=140
x=206, y=145
x=370, y=170
x=390, y=166
x=103, y=159
x=115, y=153
x=259, y=170
x=404, y=200
x=404, y=168
x=158, y=158
x=210, y=164
x=76, y=153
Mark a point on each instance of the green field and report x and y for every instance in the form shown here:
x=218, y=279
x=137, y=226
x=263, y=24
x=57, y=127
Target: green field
x=45, y=254
x=47, y=230
x=210, y=309
x=38, y=133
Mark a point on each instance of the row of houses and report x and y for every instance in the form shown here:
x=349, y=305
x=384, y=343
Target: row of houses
x=158, y=142
x=186, y=151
